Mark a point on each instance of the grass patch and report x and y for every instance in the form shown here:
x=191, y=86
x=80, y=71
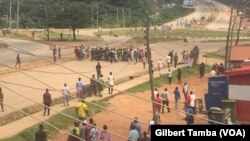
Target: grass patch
x=160, y=80
x=174, y=33
x=54, y=36
x=214, y=55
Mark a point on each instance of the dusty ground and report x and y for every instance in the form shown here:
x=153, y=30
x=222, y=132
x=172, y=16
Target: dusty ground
x=143, y=110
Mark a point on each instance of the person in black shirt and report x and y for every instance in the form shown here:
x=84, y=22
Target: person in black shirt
x=40, y=134
x=98, y=70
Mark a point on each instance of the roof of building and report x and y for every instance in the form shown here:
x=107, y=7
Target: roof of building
x=240, y=53
x=237, y=72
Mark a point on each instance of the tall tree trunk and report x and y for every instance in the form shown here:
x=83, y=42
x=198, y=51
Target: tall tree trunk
x=74, y=32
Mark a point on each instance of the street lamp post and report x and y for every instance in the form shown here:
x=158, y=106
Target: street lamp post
x=238, y=33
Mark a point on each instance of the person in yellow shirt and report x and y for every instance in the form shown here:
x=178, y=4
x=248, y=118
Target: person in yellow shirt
x=82, y=111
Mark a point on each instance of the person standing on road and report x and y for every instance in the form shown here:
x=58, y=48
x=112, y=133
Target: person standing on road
x=79, y=88
x=165, y=100
x=59, y=52
x=94, y=133
x=98, y=70
x=169, y=74
x=82, y=111
x=66, y=94
x=111, y=83
x=18, y=60
x=47, y=101
x=40, y=135
x=1, y=99
x=54, y=53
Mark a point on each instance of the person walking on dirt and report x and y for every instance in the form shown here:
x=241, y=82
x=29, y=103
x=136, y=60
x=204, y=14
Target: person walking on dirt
x=98, y=70
x=136, y=125
x=169, y=76
x=18, y=60
x=157, y=107
x=40, y=135
x=47, y=101
x=202, y=70
x=111, y=83
x=179, y=75
x=1, y=99
x=82, y=111
x=165, y=100
x=177, y=97
x=105, y=136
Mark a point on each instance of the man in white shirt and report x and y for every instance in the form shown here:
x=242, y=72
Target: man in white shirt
x=168, y=60
x=111, y=82
x=169, y=74
x=65, y=93
x=213, y=73
x=185, y=90
x=155, y=93
x=160, y=65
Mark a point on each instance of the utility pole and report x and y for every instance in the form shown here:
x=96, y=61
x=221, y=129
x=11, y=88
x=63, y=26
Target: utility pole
x=238, y=34
x=117, y=16
x=228, y=37
x=17, y=18
x=92, y=18
x=123, y=22
x=47, y=22
x=97, y=18
x=231, y=41
x=10, y=16
x=150, y=67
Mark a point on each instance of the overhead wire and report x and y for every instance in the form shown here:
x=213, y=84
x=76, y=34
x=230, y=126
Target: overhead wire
x=43, y=121
x=59, y=111
x=120, y=90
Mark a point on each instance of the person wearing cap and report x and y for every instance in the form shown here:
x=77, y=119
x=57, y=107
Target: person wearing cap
x=47, y=101
x=133, y=134
x=82, y=111
x=83, y=130
x=137, y=126
x=40, y=135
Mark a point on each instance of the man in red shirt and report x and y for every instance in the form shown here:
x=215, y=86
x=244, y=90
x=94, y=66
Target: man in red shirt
x=47, y=101
x=157, y=106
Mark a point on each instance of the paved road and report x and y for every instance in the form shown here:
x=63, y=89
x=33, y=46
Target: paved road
x=222, y=20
